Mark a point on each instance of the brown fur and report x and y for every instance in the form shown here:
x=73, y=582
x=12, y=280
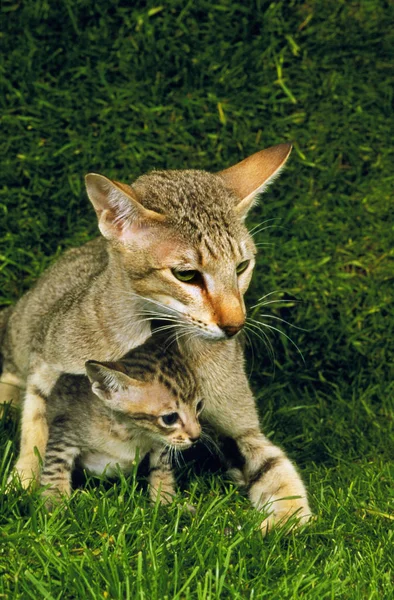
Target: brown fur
x=97, y=301
x=105, y=424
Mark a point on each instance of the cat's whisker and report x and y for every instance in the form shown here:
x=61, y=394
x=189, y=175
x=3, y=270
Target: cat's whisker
x=263, y=337
x=263, y=223
x=175, y=337
x=288, y=302
x=155, y=302
x=261, y=324
x=268, y=227
x=279, y=319
x=270, y=294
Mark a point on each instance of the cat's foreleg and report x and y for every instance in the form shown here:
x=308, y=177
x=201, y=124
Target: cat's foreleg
x=34, y=426
x=60, y=455
x=272, y=481
x=161, y=476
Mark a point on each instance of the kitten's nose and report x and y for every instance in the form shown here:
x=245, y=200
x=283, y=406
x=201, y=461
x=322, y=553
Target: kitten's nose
x=231, y=330
x=194, y=439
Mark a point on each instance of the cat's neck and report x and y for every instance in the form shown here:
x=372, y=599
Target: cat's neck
x=200, y=351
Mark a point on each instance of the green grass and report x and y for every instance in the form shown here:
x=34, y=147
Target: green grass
x=121, y=88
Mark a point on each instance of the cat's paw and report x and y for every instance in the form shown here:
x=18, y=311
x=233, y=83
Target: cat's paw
x=292, y=512
x=25, y=473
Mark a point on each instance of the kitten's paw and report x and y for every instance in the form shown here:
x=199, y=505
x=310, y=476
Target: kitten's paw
x=53, y=496
x=293, y=511
x=190, y=509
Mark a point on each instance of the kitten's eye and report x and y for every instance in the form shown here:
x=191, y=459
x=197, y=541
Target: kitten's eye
x=242, y=267
x=186, y=276
x=170, y=419
x=199, y=406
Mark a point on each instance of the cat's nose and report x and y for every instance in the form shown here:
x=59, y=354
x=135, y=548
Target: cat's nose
x=194, y=439
x=231, y=330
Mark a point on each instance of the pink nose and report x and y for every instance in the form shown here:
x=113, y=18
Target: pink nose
x=231, y=330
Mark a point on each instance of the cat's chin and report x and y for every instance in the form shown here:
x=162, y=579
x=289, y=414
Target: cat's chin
x=203, y=335
x=182, y=446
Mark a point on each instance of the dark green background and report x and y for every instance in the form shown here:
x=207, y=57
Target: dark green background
x=124, y=87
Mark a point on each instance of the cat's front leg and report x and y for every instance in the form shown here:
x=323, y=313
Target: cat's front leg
x=34, y=426
x=161, y=476
x=271, y=480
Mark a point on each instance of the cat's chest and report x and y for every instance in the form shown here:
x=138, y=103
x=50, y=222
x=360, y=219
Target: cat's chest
x=112, y=446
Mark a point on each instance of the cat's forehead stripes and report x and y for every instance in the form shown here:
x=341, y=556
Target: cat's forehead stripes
x=198, y=206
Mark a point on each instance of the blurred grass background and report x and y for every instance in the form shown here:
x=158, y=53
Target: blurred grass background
x=121, y=88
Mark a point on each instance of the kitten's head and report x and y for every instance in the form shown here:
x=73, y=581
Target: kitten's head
x=181, y=241
x=166, y=408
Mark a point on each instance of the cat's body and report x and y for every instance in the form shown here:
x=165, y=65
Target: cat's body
x=176, y=249
x=120, y=415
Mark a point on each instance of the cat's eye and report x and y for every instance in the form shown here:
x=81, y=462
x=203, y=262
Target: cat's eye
x=170, y=419
x=199, y=406
x=189, y=276
x=242, y=266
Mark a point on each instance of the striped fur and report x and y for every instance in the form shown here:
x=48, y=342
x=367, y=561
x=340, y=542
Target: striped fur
x=98, y=302
x=122, y=419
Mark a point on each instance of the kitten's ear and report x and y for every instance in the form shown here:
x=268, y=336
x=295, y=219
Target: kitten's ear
x=251, y=176
x=107, y=380
x=120, y=214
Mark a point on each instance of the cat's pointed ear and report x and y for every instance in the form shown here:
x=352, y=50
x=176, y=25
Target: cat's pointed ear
x=251, y=176
x=119, y=211
x=108, y=379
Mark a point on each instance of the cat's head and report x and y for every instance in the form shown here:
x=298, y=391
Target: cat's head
x=181, y=243
x=149, y=405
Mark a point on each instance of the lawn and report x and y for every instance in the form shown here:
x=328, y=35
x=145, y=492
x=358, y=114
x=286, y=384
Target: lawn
x=123, y=87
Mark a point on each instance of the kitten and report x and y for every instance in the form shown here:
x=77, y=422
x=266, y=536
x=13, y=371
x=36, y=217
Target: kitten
x=147, y=403
x=174, y=247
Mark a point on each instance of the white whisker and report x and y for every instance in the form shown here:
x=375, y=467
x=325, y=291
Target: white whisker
x=262, y=336
x=279, y=319
x=282, y=333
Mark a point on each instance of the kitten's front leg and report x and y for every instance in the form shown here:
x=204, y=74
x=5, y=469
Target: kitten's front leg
x=34, y=426
x=60, y=455
x=161, y=476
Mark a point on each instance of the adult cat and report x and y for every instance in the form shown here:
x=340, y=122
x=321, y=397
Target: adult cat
x=174, y=245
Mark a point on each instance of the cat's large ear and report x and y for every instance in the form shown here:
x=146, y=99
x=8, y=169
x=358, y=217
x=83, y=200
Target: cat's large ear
x=251, y=176
x=119, y=211
x=108, y=381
